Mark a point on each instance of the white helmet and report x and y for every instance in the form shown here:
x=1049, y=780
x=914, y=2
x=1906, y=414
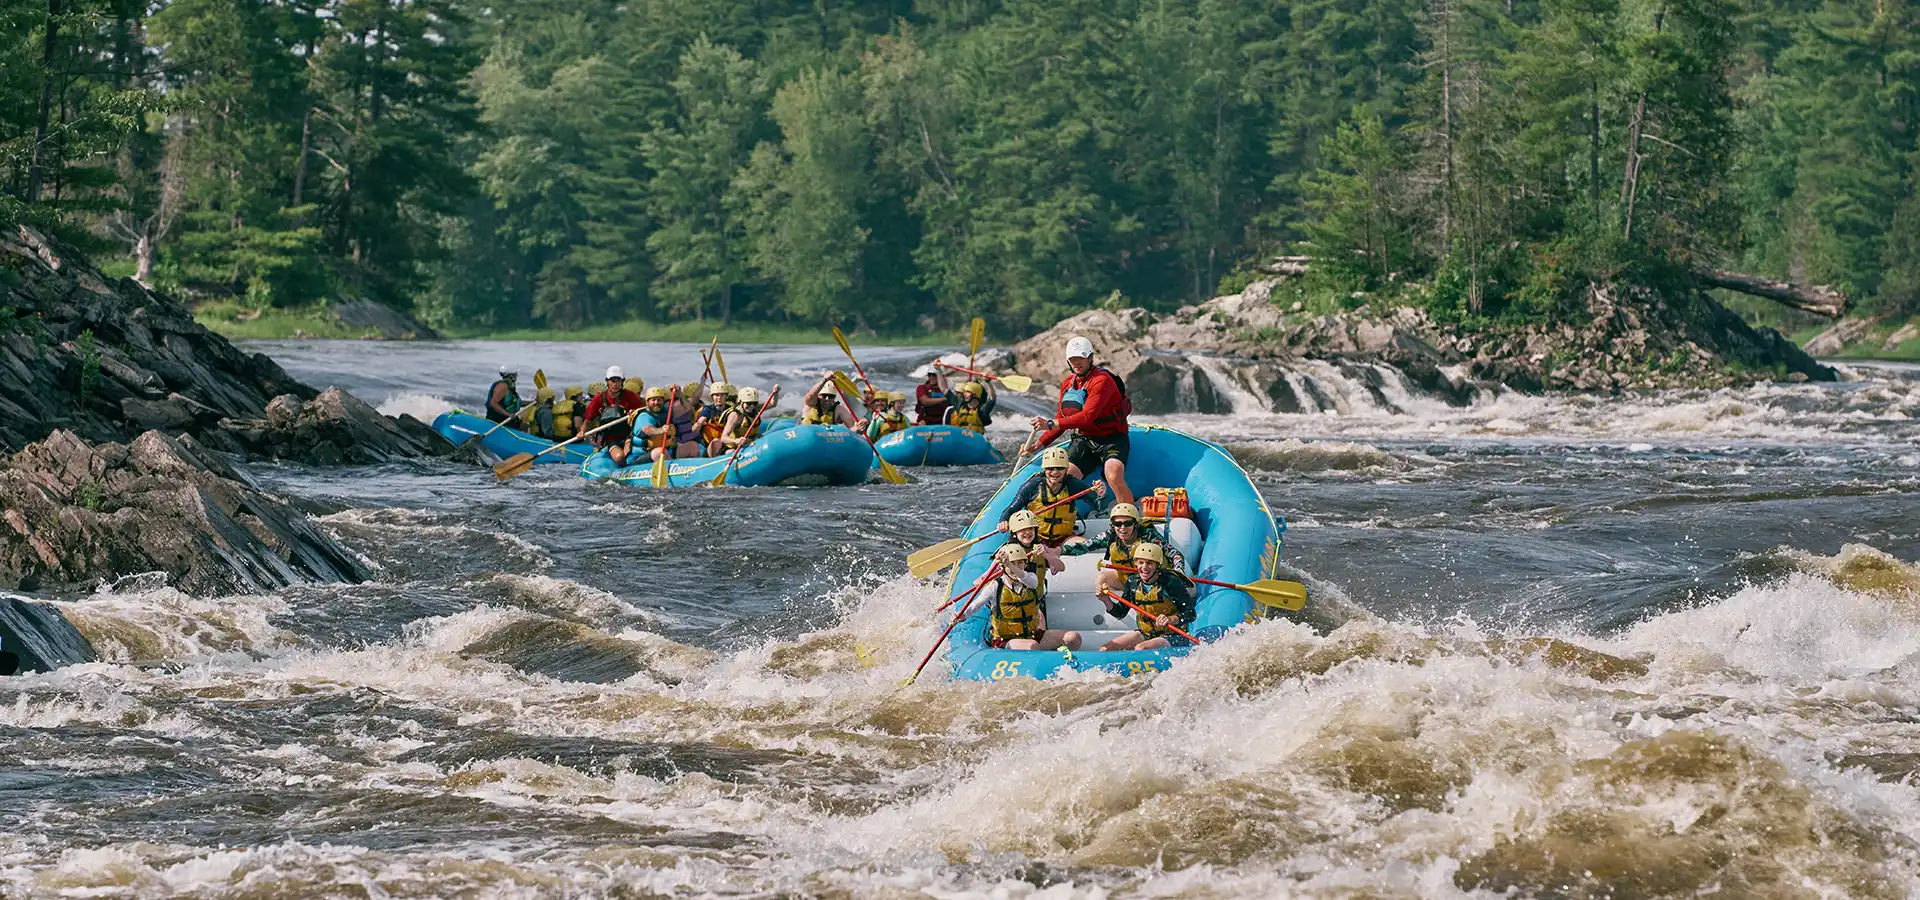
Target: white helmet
x=507, y=371
x=749, y=395
x=828, y=390
x=1079, y=348
x=616, y=372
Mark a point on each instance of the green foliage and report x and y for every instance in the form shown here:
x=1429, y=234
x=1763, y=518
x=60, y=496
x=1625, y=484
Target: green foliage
x=89, y=495
x=89, y=352
x=574, y=164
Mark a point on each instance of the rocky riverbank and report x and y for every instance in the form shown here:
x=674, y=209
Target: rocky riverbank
x=1246, y=349
x=106, y=359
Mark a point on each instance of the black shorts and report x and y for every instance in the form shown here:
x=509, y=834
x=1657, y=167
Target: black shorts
x=1090, y=454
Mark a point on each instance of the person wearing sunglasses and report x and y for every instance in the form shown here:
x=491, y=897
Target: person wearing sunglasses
x=1125, y=531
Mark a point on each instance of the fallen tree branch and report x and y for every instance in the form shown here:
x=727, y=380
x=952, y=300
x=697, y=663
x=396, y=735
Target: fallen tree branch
x=1818, y=299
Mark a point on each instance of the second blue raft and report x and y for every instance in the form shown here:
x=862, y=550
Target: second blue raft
x=459, y=427
x=801, y=454
x=938, y=445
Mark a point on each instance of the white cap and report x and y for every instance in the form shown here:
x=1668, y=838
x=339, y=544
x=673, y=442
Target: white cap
x=507, y=370
x=1079, y=347
x=616, y=372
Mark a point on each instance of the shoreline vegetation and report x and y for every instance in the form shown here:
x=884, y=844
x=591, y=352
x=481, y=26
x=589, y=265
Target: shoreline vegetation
x=313, y=323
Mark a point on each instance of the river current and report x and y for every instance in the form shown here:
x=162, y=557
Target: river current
x=1663, y=645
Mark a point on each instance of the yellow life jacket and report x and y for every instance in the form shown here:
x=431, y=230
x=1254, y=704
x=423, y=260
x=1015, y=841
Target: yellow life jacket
x=1056, y=524
x=813, y=416
x=1017, y=613
x=740, y=424
x=1122, y=554
x=967, y=417
x=563, y=419
x=1149, y=597
x=891, y=422
x=711, y=431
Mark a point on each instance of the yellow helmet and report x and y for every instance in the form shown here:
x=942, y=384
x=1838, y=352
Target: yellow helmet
x=1021, y=520
x=656, y=393
x=636, y=384
x=899, y=396
x=598, y=387
x=1054, y=458
x=1123, y=511
x=828, y=390
x=690, y=389
x=1149, y=550
x=720, y=389
x=749, y=395
x=974, y=389
x=543, y=395
x=573, y=391
x=1012, y=551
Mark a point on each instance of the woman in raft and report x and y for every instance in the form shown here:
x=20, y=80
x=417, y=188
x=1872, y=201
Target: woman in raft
x=1165, y=600
x=1020, y=605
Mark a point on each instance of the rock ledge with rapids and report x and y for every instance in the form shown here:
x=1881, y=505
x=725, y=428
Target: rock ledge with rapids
x=1253, y=342
x=107, y=359
x=72, y=513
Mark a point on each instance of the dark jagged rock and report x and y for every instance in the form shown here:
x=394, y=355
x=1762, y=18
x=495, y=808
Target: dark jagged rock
x=75, y=513
x=1629, y=339
x=34, y=637
x=335, y=427
x=385, y=321
x=107, y=359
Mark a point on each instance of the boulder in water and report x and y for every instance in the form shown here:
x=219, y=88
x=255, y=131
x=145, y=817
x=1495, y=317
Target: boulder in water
x=335, y=427
x=34, y=637
x=75, y=513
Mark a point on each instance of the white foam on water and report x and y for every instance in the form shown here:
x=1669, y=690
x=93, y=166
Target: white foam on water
x=424, y=407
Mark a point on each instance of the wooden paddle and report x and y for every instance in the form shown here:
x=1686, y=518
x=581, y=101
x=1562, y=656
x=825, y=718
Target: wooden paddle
x=958, y=617
x=928, y=560
x=1282, y=594
x=887, y=471
x=1148, y=617
x=977, y=585
x=975, y=334
x=867, y=395
x=753, y=432
x=520, y=462
x=1012, y=382
x=659, y=474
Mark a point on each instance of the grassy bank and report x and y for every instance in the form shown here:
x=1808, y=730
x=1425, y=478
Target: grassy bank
x=701, y=332
x=1871, y=345
x=236, y=321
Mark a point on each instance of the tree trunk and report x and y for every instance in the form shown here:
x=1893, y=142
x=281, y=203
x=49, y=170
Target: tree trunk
x=300, y=162
x=143, y=253
x=50, y=42
x=1630, y=181
x=1818, y=299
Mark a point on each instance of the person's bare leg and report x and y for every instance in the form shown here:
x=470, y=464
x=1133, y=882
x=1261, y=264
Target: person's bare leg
x=1116, y=472
x=1124, y=642
x=1153, y=644
x=1055, y=638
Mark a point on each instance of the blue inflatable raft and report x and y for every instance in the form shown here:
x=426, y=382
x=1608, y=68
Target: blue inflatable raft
x=458, y=427
x=801, y=454
x=1232, y=537
x=938, y=445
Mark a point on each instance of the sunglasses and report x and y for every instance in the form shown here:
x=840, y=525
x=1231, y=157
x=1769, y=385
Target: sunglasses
x=1124, y=523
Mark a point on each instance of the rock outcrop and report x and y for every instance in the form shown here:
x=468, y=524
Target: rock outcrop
x=333, y=428
x=34, y=637
x=1207, y=358
x=71, y=513
x=380, y=320
x=107, y=359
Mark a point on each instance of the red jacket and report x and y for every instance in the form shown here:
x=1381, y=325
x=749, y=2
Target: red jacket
x=1103, y=414
x=932, y=411
x=628, y=401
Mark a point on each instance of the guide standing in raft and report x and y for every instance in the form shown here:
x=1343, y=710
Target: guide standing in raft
x=1093, y=405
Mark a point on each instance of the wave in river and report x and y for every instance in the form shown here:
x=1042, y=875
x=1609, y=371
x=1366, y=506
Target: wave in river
x=1756, y=744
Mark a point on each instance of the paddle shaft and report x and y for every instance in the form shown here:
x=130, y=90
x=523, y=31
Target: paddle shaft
x=957, y=619
x=887, y=470
x=1150, y=616
x=481, y=436
x=991, y=571
x=1225, y=584
x=753, y=434
x=866, y=395
x=968, y=370
x=510, y=468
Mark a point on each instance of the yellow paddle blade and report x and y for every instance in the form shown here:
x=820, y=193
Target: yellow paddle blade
x=977, y=334
x=721, y=362
x=1289, y=595
x=887, y=470
x=1018, y=383
x=512, y=465
x=928, y=560
x=540, y=378
x=659, y=473
x=841, y=339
